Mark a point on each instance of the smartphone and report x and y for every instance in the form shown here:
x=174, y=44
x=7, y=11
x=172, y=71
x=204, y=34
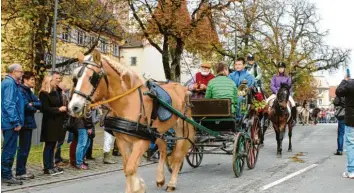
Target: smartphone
x=348, y=72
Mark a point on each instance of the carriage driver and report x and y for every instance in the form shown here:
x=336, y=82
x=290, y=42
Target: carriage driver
x=241, y=74
x=277, y=80
x=200, y=81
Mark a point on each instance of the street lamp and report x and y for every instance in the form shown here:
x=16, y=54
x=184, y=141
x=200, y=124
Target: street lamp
x=54, y=46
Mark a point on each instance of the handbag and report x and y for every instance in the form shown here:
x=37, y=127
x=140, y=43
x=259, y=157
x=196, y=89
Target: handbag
x=69, y=124
x=339, y=113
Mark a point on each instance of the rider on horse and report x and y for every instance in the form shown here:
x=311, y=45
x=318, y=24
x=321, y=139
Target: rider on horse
x=277, y=80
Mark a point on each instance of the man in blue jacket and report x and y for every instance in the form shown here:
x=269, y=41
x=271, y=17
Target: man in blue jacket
x=32, y=104
x=241, y=74
x=12, y=120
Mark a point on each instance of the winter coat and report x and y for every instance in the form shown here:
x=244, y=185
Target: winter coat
x=222, y=87
x=12, y=104
x=277, y=80
x=239, y=76
x=30, y=110
x=346, y=89
x=53, y=119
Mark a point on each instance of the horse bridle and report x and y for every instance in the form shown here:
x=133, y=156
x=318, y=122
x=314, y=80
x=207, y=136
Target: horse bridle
x=94, y=79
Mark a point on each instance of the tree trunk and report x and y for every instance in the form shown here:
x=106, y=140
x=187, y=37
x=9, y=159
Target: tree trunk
x=166, y=58
x=43, y=31
x=176, y=62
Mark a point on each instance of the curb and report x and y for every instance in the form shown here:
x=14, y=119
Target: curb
x=68, y=179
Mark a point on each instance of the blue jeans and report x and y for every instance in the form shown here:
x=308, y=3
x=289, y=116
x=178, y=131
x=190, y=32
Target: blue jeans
x=340, y=135
x=82, y=145
x=349, y=143
x=23, y=151
x=48, y=155
x=8, y=152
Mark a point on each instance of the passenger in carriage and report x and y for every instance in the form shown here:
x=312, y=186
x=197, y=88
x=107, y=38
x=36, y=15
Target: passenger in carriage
x=222, y=87
x=200, y=81
x=277, y=80
x=241, y=74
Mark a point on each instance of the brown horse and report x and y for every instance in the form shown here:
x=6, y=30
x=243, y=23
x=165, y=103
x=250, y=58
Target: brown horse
x=280, y=116
x=100, y=78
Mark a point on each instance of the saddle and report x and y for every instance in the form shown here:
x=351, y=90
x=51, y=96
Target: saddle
x=158, y=110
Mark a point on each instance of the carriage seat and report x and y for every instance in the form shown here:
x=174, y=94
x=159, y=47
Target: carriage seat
x=215, y=108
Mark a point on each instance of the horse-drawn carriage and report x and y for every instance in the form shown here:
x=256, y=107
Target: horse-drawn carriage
x=144, y=111
x=219, y=131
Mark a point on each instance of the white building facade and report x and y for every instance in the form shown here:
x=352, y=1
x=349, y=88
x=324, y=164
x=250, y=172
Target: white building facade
x=323, y=98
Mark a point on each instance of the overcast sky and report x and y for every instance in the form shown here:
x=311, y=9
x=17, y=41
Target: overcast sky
x=338, y=17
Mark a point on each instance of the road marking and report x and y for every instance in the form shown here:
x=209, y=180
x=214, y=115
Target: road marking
x=288, y=177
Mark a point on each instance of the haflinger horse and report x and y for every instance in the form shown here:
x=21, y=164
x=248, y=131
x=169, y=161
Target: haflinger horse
x=103, y=79
x=279, y=113
x=304, y=113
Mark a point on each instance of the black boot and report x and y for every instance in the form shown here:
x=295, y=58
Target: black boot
x=293, y=116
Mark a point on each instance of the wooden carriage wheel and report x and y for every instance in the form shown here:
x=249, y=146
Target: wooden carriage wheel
x=195, y=156
x=238, y=157
x=252, y=145
x=168, y=163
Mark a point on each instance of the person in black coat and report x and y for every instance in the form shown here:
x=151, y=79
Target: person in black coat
x=339, y=103
x=346, y=89
x=52, y=123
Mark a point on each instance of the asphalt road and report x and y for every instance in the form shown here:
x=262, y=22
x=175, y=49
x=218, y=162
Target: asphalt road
x=314, y=169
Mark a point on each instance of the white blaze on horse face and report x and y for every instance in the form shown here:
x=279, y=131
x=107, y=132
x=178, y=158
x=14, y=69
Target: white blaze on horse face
x=77, y=100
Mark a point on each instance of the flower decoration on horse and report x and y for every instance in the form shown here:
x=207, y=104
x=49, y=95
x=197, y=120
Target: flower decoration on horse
x=258, y=102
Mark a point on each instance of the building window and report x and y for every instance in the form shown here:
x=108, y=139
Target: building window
x=103, y=45
x=320, y=101
x=115, y=50
x=91, y=40
x=65, y=34
x=80, y=37
x=133, y=61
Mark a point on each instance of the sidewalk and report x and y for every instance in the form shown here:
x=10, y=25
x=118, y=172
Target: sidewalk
x=96, y=167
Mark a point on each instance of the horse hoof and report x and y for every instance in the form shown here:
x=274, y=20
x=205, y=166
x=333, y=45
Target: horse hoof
x=261, y=145
x=279, y=155
x=290, y=150
x=170, y=189
x=160, y=184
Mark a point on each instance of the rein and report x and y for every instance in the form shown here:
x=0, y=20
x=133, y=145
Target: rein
x=115, y=98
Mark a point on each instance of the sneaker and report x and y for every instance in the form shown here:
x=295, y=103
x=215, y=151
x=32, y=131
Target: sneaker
x=25, y=176
x=82, y=167
x=348, y=175
x=59, y=169
x=86, y=164
x=338, y=153
x=12, y=181
x=52, y=172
